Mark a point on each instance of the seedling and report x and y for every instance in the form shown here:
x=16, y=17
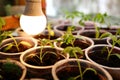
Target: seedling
x=72, y=51
x=100, y=18
x=3, y=34
x=74, y=14
x=15, y=44
x=39, y=58
x=103, y=35
x=43, y=43
x=68, y=37
x=50, y=31
x=115, y=41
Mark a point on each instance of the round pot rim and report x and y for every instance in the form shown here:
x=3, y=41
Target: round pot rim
x=32, y=66
x=10, y=39
x=99, y=45
x=55, y=31
x=92, y=30
x=85, y=61
x=69, y=24
x=77, y=36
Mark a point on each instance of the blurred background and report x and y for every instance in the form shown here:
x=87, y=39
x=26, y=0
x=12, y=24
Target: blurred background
x=56, y=8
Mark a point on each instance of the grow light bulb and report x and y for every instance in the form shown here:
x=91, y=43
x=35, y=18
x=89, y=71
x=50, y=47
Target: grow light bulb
x=33, y=21
x=33, y=25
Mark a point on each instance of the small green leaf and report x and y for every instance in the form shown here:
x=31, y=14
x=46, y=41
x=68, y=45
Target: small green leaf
x=25, y=43
x=71, y=78
x=118, y=32
x=116, y=54
x=69, y=50
x=97, y=30
x=118, y=41
x=79, y=50
x=100, y=18
x=73, y=50
x=91, y=69
x=68, y=37
x=51, y=32
x=104, y=35
x=114, y=38
x=48, y=52
x=7, y=47
x=105, y=14
x=81, y=22
x=72, y=15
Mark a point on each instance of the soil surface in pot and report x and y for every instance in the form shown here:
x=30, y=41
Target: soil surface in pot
x=73, y=71
x=113, y=31
x=14, y=49
x=101, y=58
x=46, y=35
x=78, y=43
x=90, y=34
x=10, y=71
x=49, y=58
x=65, y=27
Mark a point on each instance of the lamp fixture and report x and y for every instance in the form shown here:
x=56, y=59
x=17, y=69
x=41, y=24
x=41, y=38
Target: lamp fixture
x=33, y=21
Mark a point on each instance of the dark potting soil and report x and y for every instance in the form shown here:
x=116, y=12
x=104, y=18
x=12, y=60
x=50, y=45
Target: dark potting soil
x=14, y=49
x=101, y=58
x=71, y=71
x=78, y=43
x=65, y=27
x=46, y=35
x=48, y=59
x=90, y=34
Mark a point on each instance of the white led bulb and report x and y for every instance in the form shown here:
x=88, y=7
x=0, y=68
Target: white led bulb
x=33, y=21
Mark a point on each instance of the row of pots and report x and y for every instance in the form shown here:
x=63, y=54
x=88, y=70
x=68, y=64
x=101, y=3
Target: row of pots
x=88, y=30
x=43, y=69
x=46, y=73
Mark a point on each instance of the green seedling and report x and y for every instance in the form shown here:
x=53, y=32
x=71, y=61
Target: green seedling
x=100, y=18
x=100, y=36
x=43, y=42
x=68, y=37
x=72, y=51
x=115, y=41
x=50, y=31
x=3, y=34
x=10, y=45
